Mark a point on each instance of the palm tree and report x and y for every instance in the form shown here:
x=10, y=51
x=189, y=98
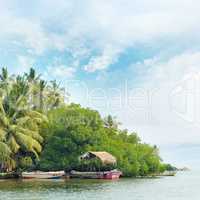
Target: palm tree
x=23, y=99
x=38, y=89
x=4, y=75
x=33, y=82
x=42, y=86
x=4, y=80
x=55, y=95
x=111, y=122
x=32, y=76
x=19, y=125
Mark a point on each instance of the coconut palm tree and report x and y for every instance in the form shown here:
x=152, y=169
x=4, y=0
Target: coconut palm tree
x=42, y=86
x=33, y=82
x=5, y=80
x=55, y=95
x=19, y=125
x=4, y=75
x=32, y=76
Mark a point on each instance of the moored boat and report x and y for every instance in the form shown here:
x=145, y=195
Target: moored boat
x=113, y=174
x=43, y=175
x=105, y=159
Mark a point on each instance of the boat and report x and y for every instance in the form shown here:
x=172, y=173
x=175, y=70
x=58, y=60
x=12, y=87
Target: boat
x=43, y=175
x=169, y=173
x=113, y=174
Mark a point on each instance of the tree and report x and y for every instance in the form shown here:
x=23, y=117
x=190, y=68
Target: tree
x=19, y=125
x=55, y=95
x=26, y=101
x=44, y=96
x=42, y=85
x=33, y=82
x=73, y=130
x=111, y=122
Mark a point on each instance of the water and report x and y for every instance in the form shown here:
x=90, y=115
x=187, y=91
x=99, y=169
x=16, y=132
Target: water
x=182, y=187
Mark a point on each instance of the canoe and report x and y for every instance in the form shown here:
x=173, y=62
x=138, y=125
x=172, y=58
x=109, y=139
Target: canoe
x=43, y=175
x=114, y=174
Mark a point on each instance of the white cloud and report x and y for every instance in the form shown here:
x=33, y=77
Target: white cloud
x=24, y=64
x=106, y=27
x=61, y=71
x=29, y=33
x=121, y=24
x=170, y=102
x=108, y=57
x=163, y=106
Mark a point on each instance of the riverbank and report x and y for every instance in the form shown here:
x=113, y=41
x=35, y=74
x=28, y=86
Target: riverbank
x=15, y=175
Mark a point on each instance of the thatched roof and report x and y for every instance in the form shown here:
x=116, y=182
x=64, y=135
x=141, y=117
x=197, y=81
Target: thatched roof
x=105, y=157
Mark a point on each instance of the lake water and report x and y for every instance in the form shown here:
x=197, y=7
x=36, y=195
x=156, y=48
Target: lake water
x=184, y=186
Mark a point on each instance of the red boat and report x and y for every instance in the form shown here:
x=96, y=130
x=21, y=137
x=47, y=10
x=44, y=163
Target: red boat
x=114, y=174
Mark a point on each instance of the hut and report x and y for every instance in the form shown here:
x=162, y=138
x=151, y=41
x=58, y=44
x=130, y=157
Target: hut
x=105, y=157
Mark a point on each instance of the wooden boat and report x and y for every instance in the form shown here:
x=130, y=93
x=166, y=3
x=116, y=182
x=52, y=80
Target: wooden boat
x=114, y=174
x=43, y=175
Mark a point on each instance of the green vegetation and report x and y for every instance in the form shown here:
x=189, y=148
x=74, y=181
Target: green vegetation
x=73, y=130
x=38, y=130
x=22, y=107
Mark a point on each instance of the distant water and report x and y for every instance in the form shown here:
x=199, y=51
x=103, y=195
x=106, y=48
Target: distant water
x=185, y=186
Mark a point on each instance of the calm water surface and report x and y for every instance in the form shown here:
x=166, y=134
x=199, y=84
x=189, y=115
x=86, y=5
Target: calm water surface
x=182, y=187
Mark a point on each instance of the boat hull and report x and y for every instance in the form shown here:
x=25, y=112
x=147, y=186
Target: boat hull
x=43, y=175
x=96, y=175
x=112, y=175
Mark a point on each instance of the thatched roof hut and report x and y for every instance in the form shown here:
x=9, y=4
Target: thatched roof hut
x=105, y=157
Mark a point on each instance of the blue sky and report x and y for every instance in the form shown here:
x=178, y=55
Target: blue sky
x=138, y=60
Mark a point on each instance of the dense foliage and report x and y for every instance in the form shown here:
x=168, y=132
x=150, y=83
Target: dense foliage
x=73, y=130
x=38, y=130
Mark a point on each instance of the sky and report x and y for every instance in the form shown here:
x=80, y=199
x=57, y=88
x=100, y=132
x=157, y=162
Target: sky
x=138, y=60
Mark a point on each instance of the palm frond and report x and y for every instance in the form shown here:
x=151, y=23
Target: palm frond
x=1, y=106
x=27, y=142
x=5, y=152
x=35, y=114
x=3, y=134
x=34, y=134
x=14, y=146
x=23, y=120
x=4, y=121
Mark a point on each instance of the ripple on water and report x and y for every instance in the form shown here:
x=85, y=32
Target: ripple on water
x=182, y=187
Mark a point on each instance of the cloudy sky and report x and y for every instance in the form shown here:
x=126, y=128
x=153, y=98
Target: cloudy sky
x=136, y=59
